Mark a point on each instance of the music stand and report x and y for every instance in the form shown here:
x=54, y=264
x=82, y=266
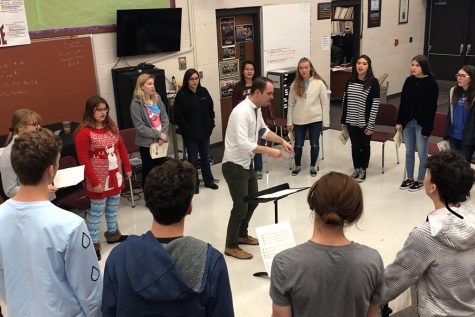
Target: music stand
x=274, y=194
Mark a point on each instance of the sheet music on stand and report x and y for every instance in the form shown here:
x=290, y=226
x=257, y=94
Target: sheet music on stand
x=274, y=239
x=280, y=193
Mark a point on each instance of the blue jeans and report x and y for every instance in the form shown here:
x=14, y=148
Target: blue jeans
x=313, y=129
x=94, y=216
x=414, y=139
x=202, y=146
x=466, y=150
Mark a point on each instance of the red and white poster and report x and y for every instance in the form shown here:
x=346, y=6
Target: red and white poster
x=13, y=25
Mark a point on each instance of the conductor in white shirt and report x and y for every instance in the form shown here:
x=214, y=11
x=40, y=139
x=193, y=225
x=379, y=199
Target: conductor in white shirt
x=245, y=127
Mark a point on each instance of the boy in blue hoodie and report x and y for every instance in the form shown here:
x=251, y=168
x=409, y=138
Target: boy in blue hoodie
x=163, y=272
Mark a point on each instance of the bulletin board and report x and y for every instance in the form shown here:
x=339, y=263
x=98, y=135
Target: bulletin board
x=53, y=78
x=47, y=18
x=285, y=35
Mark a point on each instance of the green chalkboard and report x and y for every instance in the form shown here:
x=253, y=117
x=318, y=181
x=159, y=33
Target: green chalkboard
x=63, y=17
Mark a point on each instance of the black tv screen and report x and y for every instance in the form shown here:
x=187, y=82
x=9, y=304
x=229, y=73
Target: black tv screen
x=148, y=31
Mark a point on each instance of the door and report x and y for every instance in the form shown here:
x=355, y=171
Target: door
x=238, y=41
x=448, y=35
x=470, y=48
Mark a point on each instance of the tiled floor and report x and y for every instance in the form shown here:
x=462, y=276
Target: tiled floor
x=389, y=215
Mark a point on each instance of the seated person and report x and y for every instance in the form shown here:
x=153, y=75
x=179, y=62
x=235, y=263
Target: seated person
x=163, y=272
x=48, y=266
x=23, y=120
x=329, y=275
x=439, y=255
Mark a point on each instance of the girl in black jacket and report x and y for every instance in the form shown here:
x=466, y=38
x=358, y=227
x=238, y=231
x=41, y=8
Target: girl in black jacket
x=416, y=118
x=194, y=115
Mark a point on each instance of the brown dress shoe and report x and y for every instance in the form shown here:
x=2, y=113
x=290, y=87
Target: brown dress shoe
x=248, y=240
x=115, y=237
x=238, y=253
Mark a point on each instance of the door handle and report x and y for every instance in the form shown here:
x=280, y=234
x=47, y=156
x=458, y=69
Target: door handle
x=468, y=49
x=429, y=48
x=461, y=49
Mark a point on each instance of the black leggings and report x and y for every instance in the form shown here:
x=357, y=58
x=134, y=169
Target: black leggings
x=360, y=146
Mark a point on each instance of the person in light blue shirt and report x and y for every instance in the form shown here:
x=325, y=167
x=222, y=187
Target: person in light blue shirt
x=48, y=266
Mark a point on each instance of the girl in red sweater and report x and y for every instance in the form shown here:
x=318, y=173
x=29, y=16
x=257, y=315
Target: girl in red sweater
x=101, y=150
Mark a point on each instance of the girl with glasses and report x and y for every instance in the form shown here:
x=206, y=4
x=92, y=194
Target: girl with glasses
x=194, y=115
x=416, y=118
x=460, y=125
x=23, y=121
x=104, y=156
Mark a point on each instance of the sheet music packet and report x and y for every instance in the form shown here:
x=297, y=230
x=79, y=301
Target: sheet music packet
x=274, y=239
x=398, y=138
x=69, y=176
x=344, y=135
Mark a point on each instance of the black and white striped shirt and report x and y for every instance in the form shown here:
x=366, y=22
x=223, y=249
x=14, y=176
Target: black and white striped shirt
x=360, y=106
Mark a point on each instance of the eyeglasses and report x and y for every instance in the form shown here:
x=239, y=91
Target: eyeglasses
x=35, y=124
x=194, y=78
x=106, y=110
x=463, y=76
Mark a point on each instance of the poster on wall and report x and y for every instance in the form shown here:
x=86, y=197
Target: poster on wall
x=403, y=11
x=227, y=31
x=374, y=13
x=13, y=25
x=229, y=68
x=226, y=86
x=244, y=33
x=229, y=52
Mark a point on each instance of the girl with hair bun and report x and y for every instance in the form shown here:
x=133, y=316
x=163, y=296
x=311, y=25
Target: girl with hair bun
x=329, y=275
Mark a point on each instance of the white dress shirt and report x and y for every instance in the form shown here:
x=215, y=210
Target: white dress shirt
x=242, y=133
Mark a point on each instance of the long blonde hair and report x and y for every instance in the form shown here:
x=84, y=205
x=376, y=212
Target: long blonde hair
x=20, y=118
x=298, y=85
x=138, y=92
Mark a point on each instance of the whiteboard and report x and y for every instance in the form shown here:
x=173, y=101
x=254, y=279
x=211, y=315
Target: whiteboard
x=285, y=35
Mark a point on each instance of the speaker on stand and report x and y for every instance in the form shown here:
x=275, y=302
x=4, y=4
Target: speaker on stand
x=124, y=80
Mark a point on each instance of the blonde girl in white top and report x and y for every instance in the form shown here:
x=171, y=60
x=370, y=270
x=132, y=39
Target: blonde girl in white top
x=308, y=111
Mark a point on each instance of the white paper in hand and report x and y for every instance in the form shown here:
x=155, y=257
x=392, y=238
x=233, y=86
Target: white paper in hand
x=398, y=138
x=443, y=145
x=344, y=136
x=69, y=176
x=158, y=151
x=272, y=240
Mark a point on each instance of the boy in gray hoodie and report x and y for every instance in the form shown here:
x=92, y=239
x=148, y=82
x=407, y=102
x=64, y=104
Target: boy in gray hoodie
x=439, y=255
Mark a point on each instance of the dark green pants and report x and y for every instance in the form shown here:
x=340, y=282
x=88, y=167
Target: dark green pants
x=241, y=182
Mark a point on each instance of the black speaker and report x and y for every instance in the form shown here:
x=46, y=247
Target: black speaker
x=124, y=80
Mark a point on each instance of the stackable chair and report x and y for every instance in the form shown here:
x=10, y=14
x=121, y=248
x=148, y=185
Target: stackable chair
x=387, y=115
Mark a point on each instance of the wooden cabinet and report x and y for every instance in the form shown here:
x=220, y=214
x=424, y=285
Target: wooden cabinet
x=338, y=79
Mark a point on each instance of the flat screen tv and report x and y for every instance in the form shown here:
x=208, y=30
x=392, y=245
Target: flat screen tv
x=148, y=31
